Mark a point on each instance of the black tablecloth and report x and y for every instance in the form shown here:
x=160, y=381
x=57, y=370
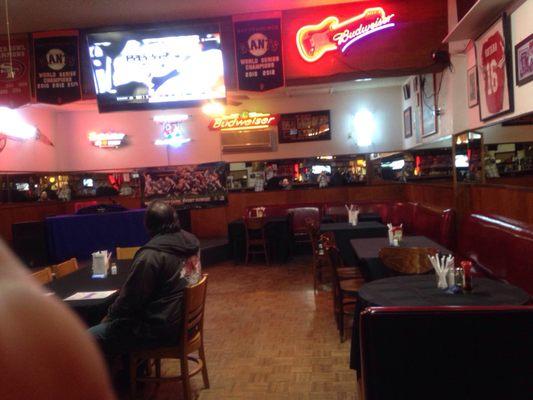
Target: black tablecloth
x=278, y=237
x=91, y=311
x=422, y=290
x=367, y=254
x=363, y=217
x=344, y=232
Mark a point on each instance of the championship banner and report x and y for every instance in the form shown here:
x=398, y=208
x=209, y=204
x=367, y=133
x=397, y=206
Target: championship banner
x=14, y=71
x=259, y=59
x=57, y=67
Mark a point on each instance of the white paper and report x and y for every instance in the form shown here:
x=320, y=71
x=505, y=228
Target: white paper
x=90, y=295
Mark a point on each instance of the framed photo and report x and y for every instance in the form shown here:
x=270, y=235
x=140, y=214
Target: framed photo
x=428, y=105
x=407, y=123
x=304, y=127
x=524, y=61
x=407, y=91
x=493, y=60
x=471, y=84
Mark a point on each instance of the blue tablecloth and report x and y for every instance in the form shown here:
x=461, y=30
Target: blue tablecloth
x=80, y=235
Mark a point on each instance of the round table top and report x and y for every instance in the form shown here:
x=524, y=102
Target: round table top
x=421, y=290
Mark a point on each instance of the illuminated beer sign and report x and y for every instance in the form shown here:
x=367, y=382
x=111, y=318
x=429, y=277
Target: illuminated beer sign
x=243, y=122
x=107, y=139
x=313, y=41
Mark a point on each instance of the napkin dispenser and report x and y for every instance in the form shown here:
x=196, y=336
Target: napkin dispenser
x=395, y=234
x=101, y=262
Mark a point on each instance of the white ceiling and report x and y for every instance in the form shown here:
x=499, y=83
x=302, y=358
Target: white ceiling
x=40, y=15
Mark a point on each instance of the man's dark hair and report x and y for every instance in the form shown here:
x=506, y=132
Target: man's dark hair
x=161, y=218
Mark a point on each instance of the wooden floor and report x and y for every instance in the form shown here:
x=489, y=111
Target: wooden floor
x=268, y=336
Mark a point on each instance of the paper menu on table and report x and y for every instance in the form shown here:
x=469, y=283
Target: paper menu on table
x=90, y=295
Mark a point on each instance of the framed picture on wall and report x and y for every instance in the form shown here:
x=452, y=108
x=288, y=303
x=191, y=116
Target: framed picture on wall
x=524, y=61
x=428, y=105
x=407, y=123
x=304, y=126
x=493, y=60
x=407, y=91
x=472, y=89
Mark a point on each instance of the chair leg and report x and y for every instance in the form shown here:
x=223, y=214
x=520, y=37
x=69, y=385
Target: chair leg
x=266, y=253
x=205, y=377
x=133, y=377
x=247, y=254
x=186, y=379
x=158, y=367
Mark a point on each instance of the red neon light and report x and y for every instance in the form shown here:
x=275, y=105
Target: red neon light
x=313, y=41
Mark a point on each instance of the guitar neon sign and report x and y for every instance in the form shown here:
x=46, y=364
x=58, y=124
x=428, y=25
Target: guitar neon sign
x=313, y=41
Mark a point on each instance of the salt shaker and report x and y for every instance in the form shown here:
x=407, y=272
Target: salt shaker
x=114, y=269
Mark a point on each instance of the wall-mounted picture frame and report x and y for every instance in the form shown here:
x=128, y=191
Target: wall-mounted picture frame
x=304, y=127
x=407, y=123
x=494, y=60
x=428, y=105
x=524, y=61
x=472, y=87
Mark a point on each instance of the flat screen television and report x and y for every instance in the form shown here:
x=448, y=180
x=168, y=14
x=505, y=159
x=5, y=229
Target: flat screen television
x=317, y=169
x=160, y=68
x=22, y=186
x=461, y=161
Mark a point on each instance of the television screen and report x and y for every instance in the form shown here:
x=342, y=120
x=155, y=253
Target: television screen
x=461, y=161
x=88, y=182
x=22, y=187
x=317, y=169
x=156, y=68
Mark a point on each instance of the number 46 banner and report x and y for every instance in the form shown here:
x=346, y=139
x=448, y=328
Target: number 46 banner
x=493, y=59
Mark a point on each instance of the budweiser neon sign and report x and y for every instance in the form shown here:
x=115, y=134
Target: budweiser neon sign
x=313, y=41
x=243, y=122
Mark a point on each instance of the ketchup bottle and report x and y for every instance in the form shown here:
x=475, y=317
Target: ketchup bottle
x=467, y=276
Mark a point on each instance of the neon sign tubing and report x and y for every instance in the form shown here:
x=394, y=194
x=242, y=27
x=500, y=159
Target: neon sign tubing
x=355, y=39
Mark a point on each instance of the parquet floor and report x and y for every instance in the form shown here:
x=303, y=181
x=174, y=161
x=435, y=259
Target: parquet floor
x=268, y=336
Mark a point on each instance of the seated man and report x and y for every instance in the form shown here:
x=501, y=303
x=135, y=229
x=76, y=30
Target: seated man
x=148, y=309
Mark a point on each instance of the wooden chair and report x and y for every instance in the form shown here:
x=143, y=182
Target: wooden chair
x=191, y=340
x=407, y=260
x=343, y=272
x=65, y=268
x=126, y=253
x=43, y=276
x=344, y=292
x=255, y=238
x=319, y=253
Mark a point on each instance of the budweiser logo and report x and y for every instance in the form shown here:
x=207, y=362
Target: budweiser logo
x=313, y=41
x=243, y=122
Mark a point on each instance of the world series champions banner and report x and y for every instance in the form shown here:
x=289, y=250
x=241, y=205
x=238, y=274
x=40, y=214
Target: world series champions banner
x=259, y=57
x=57, y=67
x=14, y=71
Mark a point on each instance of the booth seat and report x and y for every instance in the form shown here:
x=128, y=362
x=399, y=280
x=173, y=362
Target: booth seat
x=416, y=218
x=446, y=352
x=500, y=248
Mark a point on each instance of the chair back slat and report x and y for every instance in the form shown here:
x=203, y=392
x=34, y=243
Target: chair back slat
x=65, y=268
x=126, y=253
x=43, y=276
x=194, y=306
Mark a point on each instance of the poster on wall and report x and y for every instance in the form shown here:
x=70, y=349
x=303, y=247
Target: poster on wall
x=14, y=71
x=57, y=67
x=304, y=127
x=187, y=186
x=493, y=60
x=428, y=104
x=259, y=58
x=524, y=61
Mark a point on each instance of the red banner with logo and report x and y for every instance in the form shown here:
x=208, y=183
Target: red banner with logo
x=361, y=39
x=14, y=71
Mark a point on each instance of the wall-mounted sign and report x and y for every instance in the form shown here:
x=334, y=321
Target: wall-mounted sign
x=172, y=130
x=315, y=40
x=107, y=139
x=259, y=60
x=243, y=122
x=362, y=39
x=57, y=67
x=304, y=126
x=14, y=71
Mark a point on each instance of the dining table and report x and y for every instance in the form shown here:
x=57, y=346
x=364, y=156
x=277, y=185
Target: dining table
x=91, y=310
x=422, y=291
x=344, y=232
x=278, y=238
x=366, y=251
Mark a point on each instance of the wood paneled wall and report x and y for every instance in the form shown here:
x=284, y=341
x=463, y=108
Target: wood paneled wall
x=508, y=201
x=436, y=195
